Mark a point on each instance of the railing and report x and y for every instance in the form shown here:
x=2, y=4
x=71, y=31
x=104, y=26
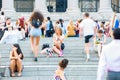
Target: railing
x=115, y=8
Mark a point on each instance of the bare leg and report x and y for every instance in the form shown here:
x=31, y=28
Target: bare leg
x=12, y=67
x=37, y=46
x=32, y=43
x=19, y=67
x=56, y=50
x=87, y=50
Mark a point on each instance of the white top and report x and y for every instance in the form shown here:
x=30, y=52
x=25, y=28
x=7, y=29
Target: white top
x=88, y=26
x=57, y=38
x=110, y=59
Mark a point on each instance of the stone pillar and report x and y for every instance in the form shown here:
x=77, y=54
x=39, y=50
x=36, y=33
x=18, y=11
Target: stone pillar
x=105, y=6
x=8, y=7
x=105, y=10
x=41, y=6
x=73, y=9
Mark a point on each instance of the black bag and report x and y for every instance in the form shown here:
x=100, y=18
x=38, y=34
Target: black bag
x=62, y=46
x=45, y=46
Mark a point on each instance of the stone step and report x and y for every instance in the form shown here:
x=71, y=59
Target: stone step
x=50, y=78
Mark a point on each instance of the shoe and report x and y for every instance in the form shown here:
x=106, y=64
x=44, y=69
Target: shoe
x=19, y=75
x=35, y=59
x=61, y=54
x=12, y=75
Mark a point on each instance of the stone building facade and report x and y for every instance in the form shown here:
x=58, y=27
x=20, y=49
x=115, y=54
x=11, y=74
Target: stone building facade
x=66, y=9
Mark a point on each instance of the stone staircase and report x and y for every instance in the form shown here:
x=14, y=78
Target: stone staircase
x=77, y=69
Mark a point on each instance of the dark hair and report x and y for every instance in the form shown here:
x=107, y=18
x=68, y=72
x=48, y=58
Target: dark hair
x=8, y=18
x=116, y=33
x=18, y=50
x=36, y=19
x=2, y=13
x=86, y=14
x=61, y=22
x=100, y=31
x=63, y=64
x=37, y=15
x=48, y=18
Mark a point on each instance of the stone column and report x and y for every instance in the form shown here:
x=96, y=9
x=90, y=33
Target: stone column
x=41, y=6
x=105, y=6
x=73, y=6
x=8, y=7
x=73, y=9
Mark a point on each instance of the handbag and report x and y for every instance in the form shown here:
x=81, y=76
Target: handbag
x=62, y=46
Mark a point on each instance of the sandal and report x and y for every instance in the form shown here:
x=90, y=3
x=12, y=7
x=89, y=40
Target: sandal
x=13, y=75
x=19, y=74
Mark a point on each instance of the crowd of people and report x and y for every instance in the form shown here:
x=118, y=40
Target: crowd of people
x=37, y=26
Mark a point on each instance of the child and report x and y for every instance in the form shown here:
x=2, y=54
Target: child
x=99, y=40
x=46, y=50
x=59, y=73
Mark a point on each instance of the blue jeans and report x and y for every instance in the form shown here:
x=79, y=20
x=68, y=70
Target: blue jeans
x=113, y=75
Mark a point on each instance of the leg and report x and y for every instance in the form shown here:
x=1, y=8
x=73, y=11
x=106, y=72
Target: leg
x=87, y=47
x=56, y=50
x=19, y=67
x=99, y=49
x=32, y=43
x=12, y=67
x=36, y=48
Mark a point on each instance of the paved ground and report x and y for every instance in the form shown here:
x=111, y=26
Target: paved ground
x=77, y=69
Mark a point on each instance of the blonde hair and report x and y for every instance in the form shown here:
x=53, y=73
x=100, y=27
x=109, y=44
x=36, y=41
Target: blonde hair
x=58, y=28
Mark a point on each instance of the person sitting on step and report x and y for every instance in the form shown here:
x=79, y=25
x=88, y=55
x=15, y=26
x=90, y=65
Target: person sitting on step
x=58, y=39
x=46, y=50
x=16, y=57
x=59, y=73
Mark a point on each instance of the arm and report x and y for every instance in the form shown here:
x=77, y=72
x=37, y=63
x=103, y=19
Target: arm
x=11, y=57
x=101, y=66
x=62, y=76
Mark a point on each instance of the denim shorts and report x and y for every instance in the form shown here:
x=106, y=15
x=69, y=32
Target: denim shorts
x=35, y=32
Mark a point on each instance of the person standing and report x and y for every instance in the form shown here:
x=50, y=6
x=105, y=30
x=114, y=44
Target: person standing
x=35, y=21
x=49, y=28
x=110, y=59
x=88, y=29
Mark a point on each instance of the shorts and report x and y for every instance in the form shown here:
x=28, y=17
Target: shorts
x=35, y=32
x=87, y=38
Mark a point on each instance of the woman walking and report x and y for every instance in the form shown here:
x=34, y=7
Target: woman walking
x=35, y=21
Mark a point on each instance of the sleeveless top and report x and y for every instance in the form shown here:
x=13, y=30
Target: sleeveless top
x=99, y=39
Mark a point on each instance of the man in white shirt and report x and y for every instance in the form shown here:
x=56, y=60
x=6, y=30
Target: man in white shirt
x=110, y=59
x=88, y=29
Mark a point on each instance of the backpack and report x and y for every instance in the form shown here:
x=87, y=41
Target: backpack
x=45, y=46
x=51, y=28
x=36, y=23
